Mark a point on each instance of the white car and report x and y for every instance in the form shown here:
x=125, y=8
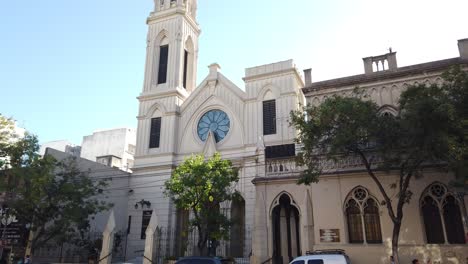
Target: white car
x=335, y=256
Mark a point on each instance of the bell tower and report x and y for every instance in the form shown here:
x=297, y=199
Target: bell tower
x=172, y=47
x=170, y=76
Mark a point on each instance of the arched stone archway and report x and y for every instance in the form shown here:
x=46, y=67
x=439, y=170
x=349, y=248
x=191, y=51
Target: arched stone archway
x=285, y=229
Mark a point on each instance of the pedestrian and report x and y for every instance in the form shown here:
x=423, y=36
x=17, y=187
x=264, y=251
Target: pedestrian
x=392, y=261
x=416, y=261
x=27, y=260
x=19, y=260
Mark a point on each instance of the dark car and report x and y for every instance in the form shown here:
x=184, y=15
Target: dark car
x=199, y=260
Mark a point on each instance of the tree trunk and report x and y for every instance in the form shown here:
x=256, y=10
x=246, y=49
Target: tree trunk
x=395, y=237
x=201, y=244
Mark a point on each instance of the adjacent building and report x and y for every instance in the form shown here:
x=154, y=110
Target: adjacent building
x=111, y=147
x=61, y=145
x=115, y=192
x=250, y=126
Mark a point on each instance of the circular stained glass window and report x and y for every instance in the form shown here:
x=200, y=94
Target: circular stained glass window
x=215, y=121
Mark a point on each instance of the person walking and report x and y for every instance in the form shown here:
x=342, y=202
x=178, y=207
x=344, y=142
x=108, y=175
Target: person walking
x=27, y=260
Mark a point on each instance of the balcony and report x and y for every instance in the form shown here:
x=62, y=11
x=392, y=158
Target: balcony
x=275, y=167
x=281, y=167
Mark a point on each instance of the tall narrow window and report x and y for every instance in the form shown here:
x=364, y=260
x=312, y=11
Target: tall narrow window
x=432, y=221
x=441, y=208
x=269, y=117
x=353, y=215
x=185, y=68
x=372, y=222
x=155, y=132
x=145, y=222
x=453, y=221
x=163, y=58
x=362, y=215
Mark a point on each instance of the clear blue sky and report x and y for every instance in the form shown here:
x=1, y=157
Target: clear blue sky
x=68, y=68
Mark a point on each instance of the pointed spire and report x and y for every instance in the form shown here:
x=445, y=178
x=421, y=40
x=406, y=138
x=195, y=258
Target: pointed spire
x=150, y=238
x=108, y=240
x=308, y=219
x=210, y=145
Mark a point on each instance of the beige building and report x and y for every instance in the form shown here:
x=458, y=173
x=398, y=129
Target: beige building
x=343, y=210
x=250, y=126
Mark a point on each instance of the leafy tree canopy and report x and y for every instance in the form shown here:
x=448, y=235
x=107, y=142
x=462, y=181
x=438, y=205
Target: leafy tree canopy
x=201, y=185
x=54, y=198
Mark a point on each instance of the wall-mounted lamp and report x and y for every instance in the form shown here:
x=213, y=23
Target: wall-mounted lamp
x=142, y=203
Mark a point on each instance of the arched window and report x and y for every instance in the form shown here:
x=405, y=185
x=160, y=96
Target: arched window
x=161, y=58
x=432, y=221
x=441, y=215
x=453, y=221
x=353, y=215
x=362, y=217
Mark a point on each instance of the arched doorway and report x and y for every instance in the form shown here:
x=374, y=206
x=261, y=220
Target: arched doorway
x=238, y=227
x=285, y=227
x=181, y=232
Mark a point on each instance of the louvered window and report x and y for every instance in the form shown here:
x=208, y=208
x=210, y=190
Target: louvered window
x=162, y=69
x=269, y=117
x=155, y=133
x=280, y=151
x=185, y=68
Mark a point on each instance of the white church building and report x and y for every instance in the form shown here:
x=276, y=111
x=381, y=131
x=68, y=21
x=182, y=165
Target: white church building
x=250, y=127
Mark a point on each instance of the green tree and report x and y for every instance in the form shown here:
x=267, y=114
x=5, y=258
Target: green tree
x=427, y=131
x=456, y=86
x=54, y=198
x=200, y=186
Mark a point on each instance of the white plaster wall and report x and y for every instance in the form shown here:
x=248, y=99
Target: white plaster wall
x=109, y=142
x=116, y=191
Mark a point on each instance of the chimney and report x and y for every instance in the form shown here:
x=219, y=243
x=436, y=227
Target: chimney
x=307, y=77
x=463, y=48
x=368, y=65
x=391, y=60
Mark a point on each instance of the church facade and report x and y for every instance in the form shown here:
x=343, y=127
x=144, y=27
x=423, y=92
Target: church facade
x=250, y=126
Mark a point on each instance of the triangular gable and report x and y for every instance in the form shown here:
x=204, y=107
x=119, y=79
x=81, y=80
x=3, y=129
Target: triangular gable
x=220, y=81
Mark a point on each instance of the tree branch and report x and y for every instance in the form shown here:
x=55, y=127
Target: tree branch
x=388, y=201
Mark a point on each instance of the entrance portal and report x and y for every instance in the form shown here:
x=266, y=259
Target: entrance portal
x=285, y=227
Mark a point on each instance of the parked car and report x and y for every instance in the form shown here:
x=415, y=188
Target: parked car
x=199, y=260
x=330, y=256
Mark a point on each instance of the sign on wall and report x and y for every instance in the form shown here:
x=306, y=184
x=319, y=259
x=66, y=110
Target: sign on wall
x=329, y=235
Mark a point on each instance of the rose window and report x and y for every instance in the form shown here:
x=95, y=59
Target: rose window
x=215, y=121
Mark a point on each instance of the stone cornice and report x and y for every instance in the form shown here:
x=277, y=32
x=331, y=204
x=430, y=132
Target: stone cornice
x=164, y=94
x=160, y=15
x=272, y=74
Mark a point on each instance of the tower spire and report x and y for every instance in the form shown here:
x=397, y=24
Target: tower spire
x=187, y=6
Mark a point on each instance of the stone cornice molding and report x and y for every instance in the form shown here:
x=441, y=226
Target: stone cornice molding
x=181, y=94
x=161, y=15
